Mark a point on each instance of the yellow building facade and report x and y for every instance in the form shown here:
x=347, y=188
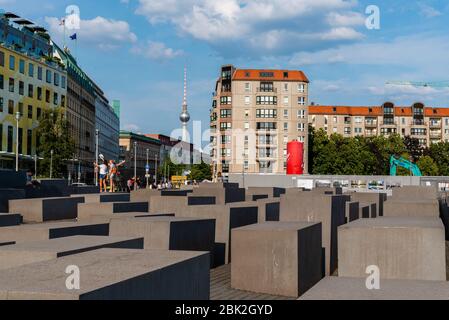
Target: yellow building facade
x=29, y=84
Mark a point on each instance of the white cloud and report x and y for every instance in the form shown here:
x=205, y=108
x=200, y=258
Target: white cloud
x=131, y=127
x=156, y=51
x=428, y=11
x=101, y=32
x=254, y=24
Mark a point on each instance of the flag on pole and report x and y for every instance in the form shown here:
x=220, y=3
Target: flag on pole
x=73, y=37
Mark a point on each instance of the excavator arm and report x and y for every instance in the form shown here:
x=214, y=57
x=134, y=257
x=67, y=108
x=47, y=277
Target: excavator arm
x=401, y=162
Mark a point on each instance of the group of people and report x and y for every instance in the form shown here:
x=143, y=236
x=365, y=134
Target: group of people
x=107, y=171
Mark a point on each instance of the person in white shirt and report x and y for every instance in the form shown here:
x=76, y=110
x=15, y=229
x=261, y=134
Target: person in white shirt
x=103, y=173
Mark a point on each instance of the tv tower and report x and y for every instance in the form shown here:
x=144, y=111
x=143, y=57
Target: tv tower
x=185, y=116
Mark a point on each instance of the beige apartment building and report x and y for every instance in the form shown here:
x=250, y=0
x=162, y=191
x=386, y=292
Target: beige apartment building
x=427, y=124
x=254, y=114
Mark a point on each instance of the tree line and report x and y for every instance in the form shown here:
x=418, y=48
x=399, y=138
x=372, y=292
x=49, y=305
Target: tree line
x=338, y=155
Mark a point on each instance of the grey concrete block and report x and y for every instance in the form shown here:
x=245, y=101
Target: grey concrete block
x=45, y=231
x=414, y=192
x=200, y=201
x=168, y=233
x=12, y=179
x=46, y=209
x=340, y=288
x=317, y=207
x=222, y=195
x=411, y=208
x=278, y=258
x=270, y=192
x=9, y=194
x=352, y=211
x=102, y=218
x=227, y=217
x=87, y=210
x=104, y=197
x=10, y=219
x=402, y=248
x=371, y=197
x=113, y=274
x=25, y=253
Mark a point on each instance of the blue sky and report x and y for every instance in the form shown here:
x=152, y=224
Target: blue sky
x=136, y=49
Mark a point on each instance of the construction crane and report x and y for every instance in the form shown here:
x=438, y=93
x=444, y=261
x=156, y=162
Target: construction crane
x=401, y=162
x=437, y=84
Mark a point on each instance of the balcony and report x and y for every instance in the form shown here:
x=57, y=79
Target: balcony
x=389, y=123
x=419, y=123
x=266, y=90
x=435, y=124
x=436, y=133
x=371, y=124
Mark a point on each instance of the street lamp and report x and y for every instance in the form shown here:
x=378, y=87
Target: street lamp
x=147, y=168
x=155, y=167
x=51, y=164
x=135, y=165
x=17, y=140
x=35, y=166
x=97, y=133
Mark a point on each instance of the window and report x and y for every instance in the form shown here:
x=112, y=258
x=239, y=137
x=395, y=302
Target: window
x=347, y=130
x=266, y=126
x=266, y=87
x=266, y=113
x=9, y=139
x=446, y=120
x=301, y=87
x=2, y=80
x=225, y=139
x=21, y=108
x=225, y=113
x=285, y=113
x=301, y=127
x=358, y=120
x=30, y=112
x=225, y=152
x=335, y=119
x=302, y=101
x=1, y=104
x=285, y=126
x=358, y=130
x=31, y=69
x=286, y=100
x=55, y=98
x=246, y=125
x=418, y=132
x=285, y=139
x=225, y=100
x=403, y=120
x=10, y=106
x=225, y=126
x=247, y=100
x=302, y=114
x=246, y=164
x=30, y=91
x=334, y=129
x=11, y=85
x=272, y=100
x=48, y=76
x=62, y=101
x=56, y=79
x=38, y=113
x=2, y=58
x=347, y=120
x=22, y=66
x=29, y=141
x=63, y=83
x=39, y=73
x=1, y=137
x=12, y=63
x=247, y=87
x=47, y=96
x=286, y=87
x=39, y=93
x=21, y=88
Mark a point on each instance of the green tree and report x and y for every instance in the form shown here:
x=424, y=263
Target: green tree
x=439, y=152
x=53, y=135
x=427, y=166
x=200, y=172
x=168, y=168
x=414, y=148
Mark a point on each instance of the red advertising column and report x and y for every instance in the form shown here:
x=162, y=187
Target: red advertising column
x=295, y=158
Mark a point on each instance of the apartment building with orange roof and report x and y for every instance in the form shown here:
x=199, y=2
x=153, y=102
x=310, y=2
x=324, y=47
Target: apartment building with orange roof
x=254, y=114
x=427, y=124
